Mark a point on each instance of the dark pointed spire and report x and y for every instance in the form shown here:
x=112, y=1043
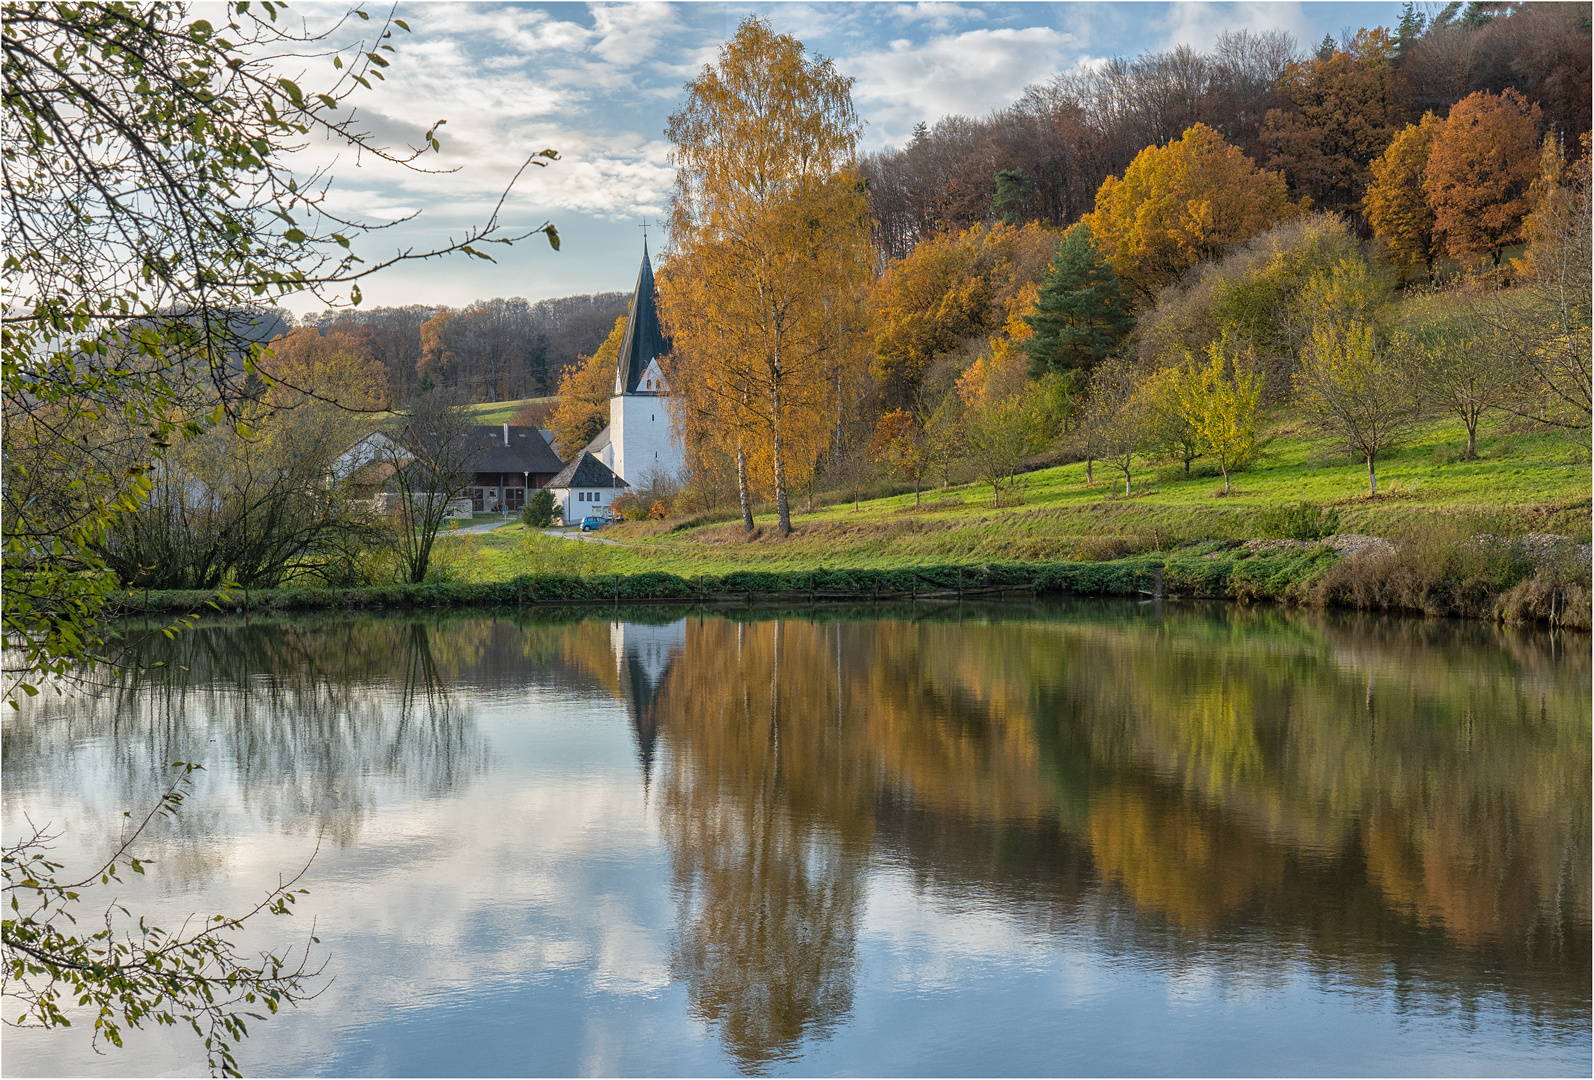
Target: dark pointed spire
x=643, y=339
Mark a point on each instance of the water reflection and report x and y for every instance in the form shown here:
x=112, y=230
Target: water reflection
x=302, y=720
x=1401, y=806
x=1376, y=792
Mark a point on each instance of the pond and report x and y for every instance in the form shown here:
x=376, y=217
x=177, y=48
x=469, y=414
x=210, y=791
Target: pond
x=1044, y=838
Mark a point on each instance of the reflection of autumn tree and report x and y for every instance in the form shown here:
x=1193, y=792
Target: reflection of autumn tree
x=769, y=829
x=1319, y=773
x=1175, y=857
x=308, y=717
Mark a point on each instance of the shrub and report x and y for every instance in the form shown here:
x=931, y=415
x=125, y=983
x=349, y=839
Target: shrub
x=1437, y=569
x=538, y=511
x=1303, y=521
x=630, y=507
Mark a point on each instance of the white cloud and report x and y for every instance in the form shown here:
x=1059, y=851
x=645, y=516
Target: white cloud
x=936, y=13
x=1198, y=25
x=971, y=73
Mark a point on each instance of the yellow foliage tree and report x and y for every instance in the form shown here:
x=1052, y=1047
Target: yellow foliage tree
x=948, y=290
x=584, y=390
x=1397, y=205
x=1354, y=384
x=336, y=367
x=1219, y=400
x=1180, y=204
x=769, y=253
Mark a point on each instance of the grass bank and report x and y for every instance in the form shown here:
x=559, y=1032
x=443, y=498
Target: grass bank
x=1057, y=533
x=1500, y=582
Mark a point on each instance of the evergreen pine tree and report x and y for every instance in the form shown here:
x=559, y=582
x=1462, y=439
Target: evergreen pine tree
x=1012, y=188
x=1412, y=24
x=1081, y=315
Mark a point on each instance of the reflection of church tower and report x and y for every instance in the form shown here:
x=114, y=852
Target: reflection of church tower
x=642, y=656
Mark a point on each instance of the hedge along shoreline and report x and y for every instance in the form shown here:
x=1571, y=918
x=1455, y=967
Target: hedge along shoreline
x=1296, y=578
x=1121, y=577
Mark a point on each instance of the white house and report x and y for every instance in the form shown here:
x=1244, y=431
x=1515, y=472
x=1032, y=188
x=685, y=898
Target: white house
x=583, y=488
x=640, y=442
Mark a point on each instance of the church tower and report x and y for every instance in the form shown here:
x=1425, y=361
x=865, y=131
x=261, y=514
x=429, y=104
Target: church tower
x=639, y=418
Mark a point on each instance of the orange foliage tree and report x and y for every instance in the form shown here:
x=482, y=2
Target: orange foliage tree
x=1180, y=204
x=1397, y=203
x=584, y=391
x=436, y=365
x=1480, y=173
x=1337, y=122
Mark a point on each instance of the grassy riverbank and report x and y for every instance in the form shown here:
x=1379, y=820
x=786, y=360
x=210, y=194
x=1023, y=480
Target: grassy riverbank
x=1501, y=581
x=1055, y=533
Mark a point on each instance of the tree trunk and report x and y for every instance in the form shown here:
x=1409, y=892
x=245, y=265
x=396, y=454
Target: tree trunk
x=1372, y=476
x=741, y=487
x=1129, y=487
x=782, y=507
x=915, y=491
x=1472, y=439
x=1224, y=465
x=1090, y=472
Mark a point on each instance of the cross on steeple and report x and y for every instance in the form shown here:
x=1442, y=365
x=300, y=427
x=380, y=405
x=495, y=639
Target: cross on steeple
x=645, y=229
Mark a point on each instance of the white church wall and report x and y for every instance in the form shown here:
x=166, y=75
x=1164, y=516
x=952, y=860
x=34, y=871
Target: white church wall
x=642, y=438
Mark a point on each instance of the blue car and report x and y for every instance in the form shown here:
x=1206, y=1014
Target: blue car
x=592, y=523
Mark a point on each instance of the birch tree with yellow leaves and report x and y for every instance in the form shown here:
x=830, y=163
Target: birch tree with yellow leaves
x=769, y=254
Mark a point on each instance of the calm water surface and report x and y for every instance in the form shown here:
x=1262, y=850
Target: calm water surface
x=1041, y=839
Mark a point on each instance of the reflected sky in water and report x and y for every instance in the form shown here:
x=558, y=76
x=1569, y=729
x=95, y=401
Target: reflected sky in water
x=1033, y=839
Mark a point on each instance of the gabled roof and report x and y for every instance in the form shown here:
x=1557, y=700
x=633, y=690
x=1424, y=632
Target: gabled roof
x=525, y=452
x=644, y=339
x=599, y=441
x=586, y=472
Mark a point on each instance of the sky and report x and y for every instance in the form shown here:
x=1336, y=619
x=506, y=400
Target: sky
x=597, y=82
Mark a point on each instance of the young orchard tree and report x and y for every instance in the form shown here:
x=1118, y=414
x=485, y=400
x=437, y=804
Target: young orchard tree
x=945, y=438
x=900, y=443
x=769, y=244
x=1218, y=399
x=1082, y=314
x=1466, y=366
x=1118, y=418
x=1356, y=386
x=1169, y=431
x=1001, y=433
